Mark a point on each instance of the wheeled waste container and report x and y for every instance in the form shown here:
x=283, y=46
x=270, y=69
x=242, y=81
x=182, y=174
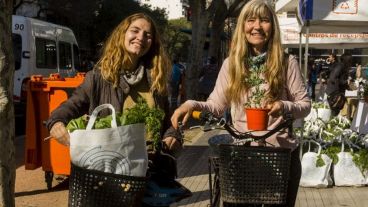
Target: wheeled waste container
x=43, y=96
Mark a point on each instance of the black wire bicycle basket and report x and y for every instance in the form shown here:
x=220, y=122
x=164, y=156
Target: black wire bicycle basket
x=253, y=175
x=91, y=188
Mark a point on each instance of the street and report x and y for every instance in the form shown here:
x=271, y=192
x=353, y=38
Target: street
x=30, y=186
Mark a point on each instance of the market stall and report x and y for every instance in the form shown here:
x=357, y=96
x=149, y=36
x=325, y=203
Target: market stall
x=290, y=37
x=331, y=16
x=343, y=141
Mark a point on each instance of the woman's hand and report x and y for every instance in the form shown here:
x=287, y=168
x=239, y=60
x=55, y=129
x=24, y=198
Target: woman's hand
x=172, y=144
x=184, y=110
x=276, y=108
x=60, y=133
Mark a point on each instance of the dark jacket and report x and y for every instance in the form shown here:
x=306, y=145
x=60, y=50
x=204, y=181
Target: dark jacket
x=337, y=80
x=95, y=91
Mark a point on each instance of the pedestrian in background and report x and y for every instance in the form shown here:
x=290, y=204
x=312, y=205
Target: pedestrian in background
x=337, y=82
x=312, y=78
x=175, y=82
x=351, y=105
x=256, y=47
x=207, y=78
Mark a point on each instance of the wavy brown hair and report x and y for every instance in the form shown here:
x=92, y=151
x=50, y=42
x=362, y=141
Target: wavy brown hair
x=115, y=56
x=240, y=50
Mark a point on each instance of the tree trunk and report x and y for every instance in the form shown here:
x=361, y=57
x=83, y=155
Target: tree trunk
x=200, y=18
x=217, y=28
x=222, y=12
x=7, y=157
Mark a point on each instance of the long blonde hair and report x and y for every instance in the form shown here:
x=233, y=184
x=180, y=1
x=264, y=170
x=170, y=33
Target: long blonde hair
x=240, y=51
x=115, y=56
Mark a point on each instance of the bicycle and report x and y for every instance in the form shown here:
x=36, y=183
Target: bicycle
x=244, y=174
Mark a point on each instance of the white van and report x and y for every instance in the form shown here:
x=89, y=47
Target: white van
x=41, y=48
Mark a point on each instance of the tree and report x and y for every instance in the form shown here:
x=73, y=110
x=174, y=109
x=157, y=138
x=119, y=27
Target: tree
x=223, y=12
x=175, y=40
x=201, y=13
x=7, y=156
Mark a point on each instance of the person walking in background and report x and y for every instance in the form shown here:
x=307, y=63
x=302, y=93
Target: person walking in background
x=324, y=72
x=175, y=82
x=256, y=48
x=337, y=82
x=207, y=78
x=351, y=105
x=312, y=79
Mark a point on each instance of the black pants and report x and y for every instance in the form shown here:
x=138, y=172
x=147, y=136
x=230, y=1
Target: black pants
x=293, y=184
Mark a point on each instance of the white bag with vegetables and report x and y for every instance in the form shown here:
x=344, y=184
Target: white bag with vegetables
x=114, y=144
x=346, y=171
x=315, y=174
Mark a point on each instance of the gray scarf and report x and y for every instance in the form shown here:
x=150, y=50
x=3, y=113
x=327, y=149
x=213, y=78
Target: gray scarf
x=134, y=77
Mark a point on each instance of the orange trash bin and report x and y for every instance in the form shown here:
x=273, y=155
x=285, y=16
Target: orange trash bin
x=43, y=96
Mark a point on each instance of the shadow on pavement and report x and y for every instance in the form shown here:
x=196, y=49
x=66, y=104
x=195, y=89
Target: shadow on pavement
x=63, y=185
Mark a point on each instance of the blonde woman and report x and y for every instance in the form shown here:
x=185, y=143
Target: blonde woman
x=133, y=64
x=256, y=48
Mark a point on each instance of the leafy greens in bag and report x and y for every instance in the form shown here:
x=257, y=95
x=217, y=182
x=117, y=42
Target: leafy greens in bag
x=139, y=113
x=78, y=123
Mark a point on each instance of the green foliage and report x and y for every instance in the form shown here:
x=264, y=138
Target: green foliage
x=151, y=117
x=317, y=105
x=139, y=113
x=334, y=128
x=78, y=123
x=258, y=94
x=320, y=162
x=177, y=42
x=332, y=153
x=113, y=12
x=93, y=21
x=360, y=158
x=365, y=89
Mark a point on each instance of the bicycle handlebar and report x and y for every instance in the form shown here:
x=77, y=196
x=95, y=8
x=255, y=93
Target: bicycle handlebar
x=209, y=117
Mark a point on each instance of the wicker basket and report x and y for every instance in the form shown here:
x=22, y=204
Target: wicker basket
x=91, y=188
x=254, y=175
x=216, y=140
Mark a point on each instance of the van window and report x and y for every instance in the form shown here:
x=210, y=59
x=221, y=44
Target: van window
x=45, y=53
x=77, y=64
x=65, y=55
x=17, y=50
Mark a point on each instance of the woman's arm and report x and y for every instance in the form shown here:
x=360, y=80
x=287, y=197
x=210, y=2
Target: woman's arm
x=75, y=106
x=216, y=102
x=298, y=102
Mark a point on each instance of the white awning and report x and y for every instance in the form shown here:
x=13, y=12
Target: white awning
x=290, y=37
x=334, y=16
x=286, y=6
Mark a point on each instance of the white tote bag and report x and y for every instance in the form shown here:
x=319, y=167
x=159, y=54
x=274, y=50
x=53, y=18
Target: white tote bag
x=346, y=173
x=313, y=176
x=324, y=114
x=119, y=149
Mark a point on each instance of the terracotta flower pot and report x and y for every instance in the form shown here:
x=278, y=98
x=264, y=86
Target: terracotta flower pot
x=257, y=119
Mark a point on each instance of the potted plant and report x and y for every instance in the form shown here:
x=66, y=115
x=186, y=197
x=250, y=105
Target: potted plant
x=257, y=117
